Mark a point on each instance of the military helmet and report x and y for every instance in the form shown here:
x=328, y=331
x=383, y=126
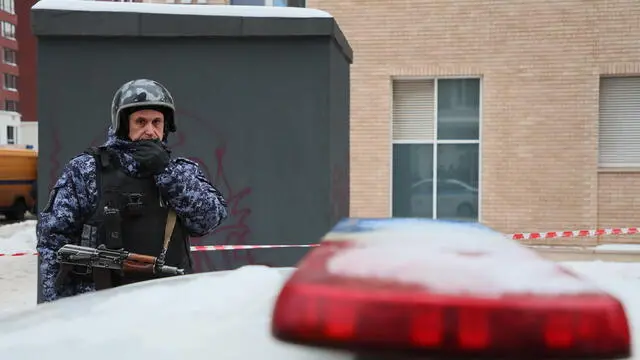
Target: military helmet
x=137, y=95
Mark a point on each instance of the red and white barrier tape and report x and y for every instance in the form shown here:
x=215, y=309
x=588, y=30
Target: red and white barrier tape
x=516, y=236
x=575, y=233
x=19, y=254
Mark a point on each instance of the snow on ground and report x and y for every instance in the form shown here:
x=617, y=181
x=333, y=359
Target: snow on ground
x=18, y=274
x=18, y=237
x=18, y=288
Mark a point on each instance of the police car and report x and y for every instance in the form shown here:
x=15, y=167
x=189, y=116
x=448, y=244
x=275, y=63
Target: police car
x=374, y=289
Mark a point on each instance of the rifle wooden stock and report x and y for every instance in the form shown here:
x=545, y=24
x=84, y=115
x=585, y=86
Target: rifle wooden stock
x=142, y=258
x=139, y=267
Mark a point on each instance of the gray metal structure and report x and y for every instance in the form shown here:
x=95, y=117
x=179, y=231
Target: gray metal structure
x=262, y=98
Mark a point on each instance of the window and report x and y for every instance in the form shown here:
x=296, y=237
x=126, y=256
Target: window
x=8, y=30
x=289, y=3
x=11, y=105
x=10, y=82
x=436, y=154
x=248, y=2
x=282, y=3
x=9, y=56
x=8, y=6
x=11, y=135
x=619, y=123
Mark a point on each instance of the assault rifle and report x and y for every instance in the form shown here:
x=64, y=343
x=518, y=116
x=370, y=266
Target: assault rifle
x=122, y=260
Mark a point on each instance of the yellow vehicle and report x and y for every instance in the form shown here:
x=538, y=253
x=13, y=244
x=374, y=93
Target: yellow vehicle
x=18, y=175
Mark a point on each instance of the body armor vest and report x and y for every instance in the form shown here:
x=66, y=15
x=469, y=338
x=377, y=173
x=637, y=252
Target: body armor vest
x=131, y=214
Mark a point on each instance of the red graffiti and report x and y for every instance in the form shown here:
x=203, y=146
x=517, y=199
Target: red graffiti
x=235, y=229
x=237, y=233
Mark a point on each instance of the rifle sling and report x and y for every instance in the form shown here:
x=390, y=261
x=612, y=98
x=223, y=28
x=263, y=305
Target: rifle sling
x=168, y=231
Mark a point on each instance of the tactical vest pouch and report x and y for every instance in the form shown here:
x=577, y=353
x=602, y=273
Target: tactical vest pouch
x=113, y=228
x=89, y=236
x=134, y=204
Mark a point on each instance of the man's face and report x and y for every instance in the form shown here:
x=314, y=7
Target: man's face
x=146, y=125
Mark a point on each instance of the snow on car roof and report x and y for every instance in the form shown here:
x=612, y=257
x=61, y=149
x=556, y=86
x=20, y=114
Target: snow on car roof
x=446, y=257
x=222, y=315
x=186, y=9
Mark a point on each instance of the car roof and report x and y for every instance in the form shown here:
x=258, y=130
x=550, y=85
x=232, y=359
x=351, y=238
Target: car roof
x=221, y=315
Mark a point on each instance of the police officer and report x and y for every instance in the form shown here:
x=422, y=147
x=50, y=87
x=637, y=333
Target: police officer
x=121, y=194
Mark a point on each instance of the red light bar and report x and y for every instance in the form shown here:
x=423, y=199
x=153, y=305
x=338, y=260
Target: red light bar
x=369, y=306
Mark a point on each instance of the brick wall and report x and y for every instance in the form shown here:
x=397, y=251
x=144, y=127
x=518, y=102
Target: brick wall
x=540, y=62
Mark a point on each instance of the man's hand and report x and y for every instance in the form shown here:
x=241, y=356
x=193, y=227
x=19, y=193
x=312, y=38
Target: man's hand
x=152, y=156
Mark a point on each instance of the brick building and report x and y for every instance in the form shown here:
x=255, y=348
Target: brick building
x=9, y=96
x=27, y=81
x=524, y=115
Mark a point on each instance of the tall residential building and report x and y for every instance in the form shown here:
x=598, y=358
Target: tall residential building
x=27, y=82
x=9, y=96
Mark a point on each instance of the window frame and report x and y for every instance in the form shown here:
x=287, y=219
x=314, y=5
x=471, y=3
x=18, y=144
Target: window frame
x=4, y=56
x=14, y=138
x=605, y=150
x=4, y=82
x=8, y=6
x=14, y=102
x=435, y=142
x=10, y=25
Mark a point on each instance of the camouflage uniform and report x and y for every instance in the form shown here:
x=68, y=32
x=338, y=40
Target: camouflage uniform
x=198, y=204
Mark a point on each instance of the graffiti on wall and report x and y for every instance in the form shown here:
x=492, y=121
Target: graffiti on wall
x=235, y=230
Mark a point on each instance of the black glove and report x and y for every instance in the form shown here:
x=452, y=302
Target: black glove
x=152, y=156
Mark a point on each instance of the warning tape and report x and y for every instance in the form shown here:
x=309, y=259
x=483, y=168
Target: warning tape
x=516, y=236
x=575, y=233
x=19, y=254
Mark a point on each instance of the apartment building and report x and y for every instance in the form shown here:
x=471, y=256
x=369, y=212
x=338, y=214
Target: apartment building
x=9, y=96
x=27, y=81
x=524, y=116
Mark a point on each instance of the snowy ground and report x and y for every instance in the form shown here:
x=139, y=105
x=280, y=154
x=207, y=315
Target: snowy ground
x=18, y=276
